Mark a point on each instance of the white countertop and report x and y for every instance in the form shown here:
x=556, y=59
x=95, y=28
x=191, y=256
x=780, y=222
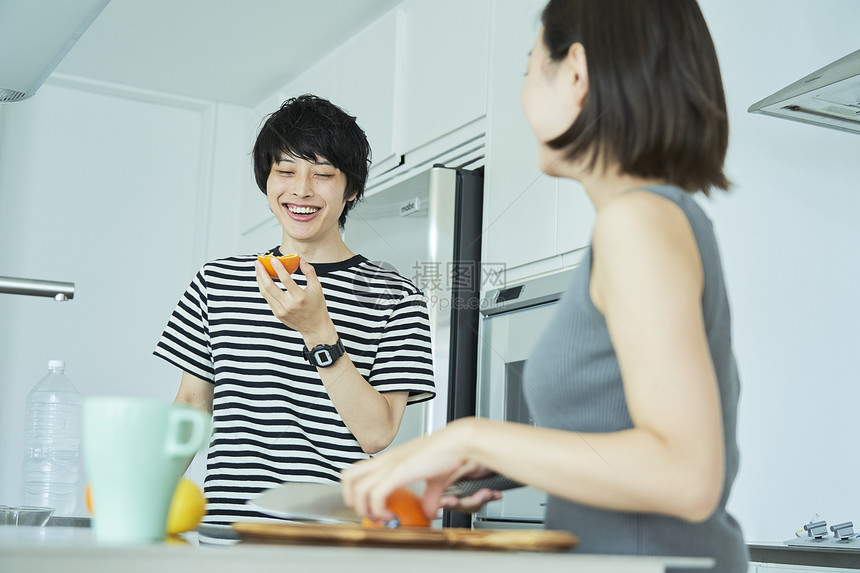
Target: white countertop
x=73, y=550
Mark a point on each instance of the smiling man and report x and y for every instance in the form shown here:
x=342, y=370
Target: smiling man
x=310, y=372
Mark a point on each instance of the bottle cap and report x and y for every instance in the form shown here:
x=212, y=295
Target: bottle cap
x=52, y=364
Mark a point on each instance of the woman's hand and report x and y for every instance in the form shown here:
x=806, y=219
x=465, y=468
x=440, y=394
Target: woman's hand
x=474, y=502
x=439, y=460
x=469, y=504
x=302, y=309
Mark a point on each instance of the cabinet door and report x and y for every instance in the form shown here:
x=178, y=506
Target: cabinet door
x=575, y=217
x=366, y=70
x=446, y=46
x=520, y=201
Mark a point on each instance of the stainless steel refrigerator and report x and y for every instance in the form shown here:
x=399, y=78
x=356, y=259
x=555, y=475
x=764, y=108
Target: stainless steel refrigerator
x=428, y=228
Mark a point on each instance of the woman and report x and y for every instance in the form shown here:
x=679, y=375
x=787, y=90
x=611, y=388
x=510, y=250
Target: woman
x=633, y=386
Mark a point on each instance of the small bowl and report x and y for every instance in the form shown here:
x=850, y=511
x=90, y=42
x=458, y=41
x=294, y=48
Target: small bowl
x=25, y=515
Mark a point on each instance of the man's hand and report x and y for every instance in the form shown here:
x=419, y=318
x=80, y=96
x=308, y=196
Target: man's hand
x=302, y=309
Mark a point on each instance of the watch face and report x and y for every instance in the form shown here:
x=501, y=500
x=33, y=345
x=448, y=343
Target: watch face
x=323, y=357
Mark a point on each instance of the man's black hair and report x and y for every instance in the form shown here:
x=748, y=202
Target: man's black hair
x=314, y=129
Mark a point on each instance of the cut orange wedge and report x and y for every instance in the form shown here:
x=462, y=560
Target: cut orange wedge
x=406, y=506
x=290, y=262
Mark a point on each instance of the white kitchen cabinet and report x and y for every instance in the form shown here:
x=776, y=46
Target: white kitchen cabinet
x=520, y=213
x=366, y=69
x=529, y=216
x=360, y=77
x=574, y=217
x=412, y=77
x=445, y=63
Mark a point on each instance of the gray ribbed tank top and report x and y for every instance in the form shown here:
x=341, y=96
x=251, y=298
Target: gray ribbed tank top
x=573, y=382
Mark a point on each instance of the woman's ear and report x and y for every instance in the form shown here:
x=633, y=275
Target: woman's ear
x=576, y=66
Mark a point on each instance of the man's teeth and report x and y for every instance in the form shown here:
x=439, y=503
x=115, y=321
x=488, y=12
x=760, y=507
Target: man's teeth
x=302, y=210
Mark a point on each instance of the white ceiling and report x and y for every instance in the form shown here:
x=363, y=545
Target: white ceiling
x=236, y=51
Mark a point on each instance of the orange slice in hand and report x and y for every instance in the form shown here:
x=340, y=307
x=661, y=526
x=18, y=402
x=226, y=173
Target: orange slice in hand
x=406, y=506
x=290, y=262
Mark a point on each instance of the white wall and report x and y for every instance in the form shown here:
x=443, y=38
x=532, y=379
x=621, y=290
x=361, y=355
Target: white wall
x=791, y=249
x=101, y=188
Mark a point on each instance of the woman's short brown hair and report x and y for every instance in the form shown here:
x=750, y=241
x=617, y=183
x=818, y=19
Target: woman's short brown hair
x=655, y=100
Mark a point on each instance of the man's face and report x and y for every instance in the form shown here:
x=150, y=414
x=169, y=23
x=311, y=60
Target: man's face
x=306, y=197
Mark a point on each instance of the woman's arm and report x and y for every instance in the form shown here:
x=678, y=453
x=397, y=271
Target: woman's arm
x=647, y=280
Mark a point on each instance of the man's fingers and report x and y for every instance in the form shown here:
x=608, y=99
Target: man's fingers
x=311, y=279
x=286, y=280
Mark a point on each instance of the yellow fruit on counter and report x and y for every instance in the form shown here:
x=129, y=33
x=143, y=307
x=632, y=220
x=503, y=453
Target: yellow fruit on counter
x=88, y=495
x=176, y=540
x=187, y=508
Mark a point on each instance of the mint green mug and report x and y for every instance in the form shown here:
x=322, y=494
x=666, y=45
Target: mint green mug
x=135, y=450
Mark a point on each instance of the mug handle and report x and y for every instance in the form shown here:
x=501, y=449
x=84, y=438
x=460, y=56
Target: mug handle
x=200, y=424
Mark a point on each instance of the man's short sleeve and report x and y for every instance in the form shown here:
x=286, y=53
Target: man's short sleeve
x=404, y=359
x=185, y=340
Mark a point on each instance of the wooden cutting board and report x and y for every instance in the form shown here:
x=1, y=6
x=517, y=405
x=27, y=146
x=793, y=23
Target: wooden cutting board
x=422, y=537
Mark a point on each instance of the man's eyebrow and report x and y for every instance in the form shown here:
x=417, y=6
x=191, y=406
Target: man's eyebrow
x=288, y=159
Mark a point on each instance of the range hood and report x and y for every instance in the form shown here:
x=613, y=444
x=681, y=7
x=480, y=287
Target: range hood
x=829, y=97
x=35, y=36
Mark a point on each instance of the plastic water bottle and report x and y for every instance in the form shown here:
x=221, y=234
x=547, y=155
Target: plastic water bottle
x=53, y=437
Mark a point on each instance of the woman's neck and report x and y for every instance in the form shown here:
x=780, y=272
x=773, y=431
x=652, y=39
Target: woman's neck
x=603, y=185
x=603, y=189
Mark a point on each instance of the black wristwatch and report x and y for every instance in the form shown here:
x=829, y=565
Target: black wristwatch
x=324, y=355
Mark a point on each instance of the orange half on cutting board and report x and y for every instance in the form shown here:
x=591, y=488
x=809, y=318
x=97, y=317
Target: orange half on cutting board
x=290, y=262
x=406, y=506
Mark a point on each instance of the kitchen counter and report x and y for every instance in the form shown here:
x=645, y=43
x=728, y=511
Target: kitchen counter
x=823, y=555
x=73, y=550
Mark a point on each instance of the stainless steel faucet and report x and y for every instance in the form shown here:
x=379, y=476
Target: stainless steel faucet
x=34, y=287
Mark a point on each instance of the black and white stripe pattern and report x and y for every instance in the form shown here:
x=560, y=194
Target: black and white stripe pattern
x=274, y=421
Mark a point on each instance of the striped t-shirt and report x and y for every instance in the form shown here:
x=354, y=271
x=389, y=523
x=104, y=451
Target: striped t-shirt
x=274, y=421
